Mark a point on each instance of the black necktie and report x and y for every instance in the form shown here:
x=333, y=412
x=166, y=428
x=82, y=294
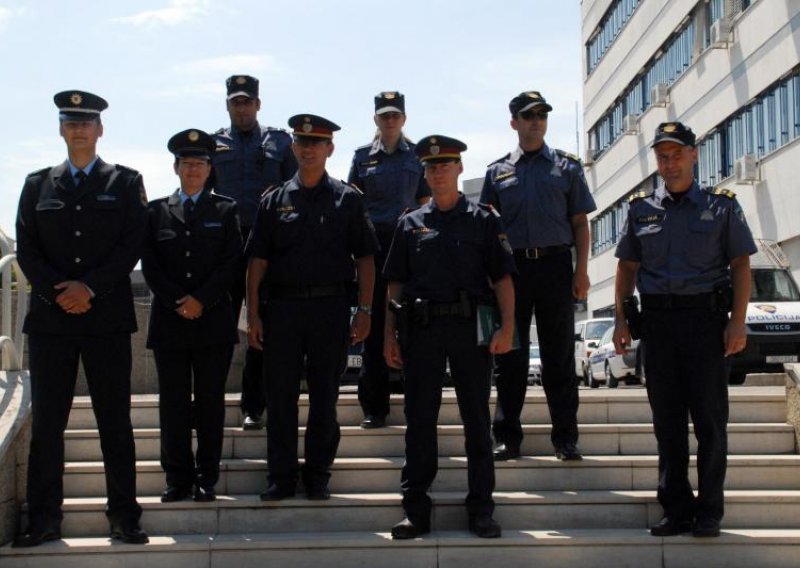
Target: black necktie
x=80, y=175
x=188, y=209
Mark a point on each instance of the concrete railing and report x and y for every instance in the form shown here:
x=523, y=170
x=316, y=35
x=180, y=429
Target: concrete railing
x=793, y=399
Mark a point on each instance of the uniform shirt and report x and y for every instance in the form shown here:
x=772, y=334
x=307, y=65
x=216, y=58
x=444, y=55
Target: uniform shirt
x=391, y=183
x=435, y=253
x=92, y=234
x=87, y=169
x=537, y=195
x=684, y=247
x=309, y=236
x=246, y=164
x=198, y=257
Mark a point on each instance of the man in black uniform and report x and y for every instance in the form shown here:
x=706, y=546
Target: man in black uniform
x=191, y=254
x=439, y=266
x=249, y=158
x=687, y=249
x=543, y=198
x=311, y=241
x=80, y=227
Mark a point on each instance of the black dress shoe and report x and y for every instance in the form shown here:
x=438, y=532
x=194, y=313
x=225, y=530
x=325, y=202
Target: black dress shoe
x=36, y=536
x=670, y=526
x=568, y=452
x=407, y=528
x=318, y=493
x=484, y=526
x=504, y=452
x=705, y=527
x=128, y=532
x=173, y=493
x=371, y=421
x=203, y=493
x=276, y=492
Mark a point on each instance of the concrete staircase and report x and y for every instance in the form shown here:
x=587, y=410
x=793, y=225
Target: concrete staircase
x=553, y=514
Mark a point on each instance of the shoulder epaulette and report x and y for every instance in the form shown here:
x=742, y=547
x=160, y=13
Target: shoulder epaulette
x=276, y=129
x=489, y=208
x=352, y=186
x=564, y=154
x=724, y=192
x=364, y=147
x=640, y=195
x=500, y=159
x=40, y=172
x=219, y=197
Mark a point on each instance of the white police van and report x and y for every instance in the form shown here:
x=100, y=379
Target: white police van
x=773, y=315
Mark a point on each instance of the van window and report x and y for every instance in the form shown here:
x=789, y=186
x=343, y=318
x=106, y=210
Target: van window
x=595, y=329
x=769, y=285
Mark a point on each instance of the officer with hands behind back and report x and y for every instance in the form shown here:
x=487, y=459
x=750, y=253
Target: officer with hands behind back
x=687, y=250
x=191, y=254
x=440, y=265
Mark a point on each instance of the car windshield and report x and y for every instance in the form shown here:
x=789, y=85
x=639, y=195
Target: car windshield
x=769, y=285
x=608, y=336
x=595, y=329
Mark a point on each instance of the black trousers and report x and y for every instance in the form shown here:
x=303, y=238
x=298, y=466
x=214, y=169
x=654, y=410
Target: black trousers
x=203, y=370
x=454, y=339
x=542, y=287
x=687, y=375
x=253, y=391
x=373, y=381
x=307, y=334
x=54, y=369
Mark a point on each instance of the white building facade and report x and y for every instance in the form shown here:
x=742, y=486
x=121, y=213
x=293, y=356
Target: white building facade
x=730, y=70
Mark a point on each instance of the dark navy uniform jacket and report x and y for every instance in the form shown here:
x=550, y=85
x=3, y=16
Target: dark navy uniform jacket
x=246, y=165
x=391, y=183
x=537, y=196
x=93, y=234
x=197, y=257
x=435, y=254
x=310, y=236
x=684, y=247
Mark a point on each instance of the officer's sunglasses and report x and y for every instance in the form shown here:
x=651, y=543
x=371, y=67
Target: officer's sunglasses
x=531, y=114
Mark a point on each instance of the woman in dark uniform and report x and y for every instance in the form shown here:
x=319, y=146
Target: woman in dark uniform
x=193, y=245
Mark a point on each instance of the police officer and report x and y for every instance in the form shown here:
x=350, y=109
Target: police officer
x=249, y=159
x=687, y=249
x=388, y=172
x=441, y=261
x=543, y=197
x=311, y=241
x=191, y=254
x=80, y=227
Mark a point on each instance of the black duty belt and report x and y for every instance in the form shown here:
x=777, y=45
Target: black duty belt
x=306, y=292
x=678, y=302
x=454, y=309
x=539, y=252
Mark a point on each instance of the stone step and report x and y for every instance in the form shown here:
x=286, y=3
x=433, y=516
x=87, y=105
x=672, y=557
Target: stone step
x=382, y=475
x=765, y=548
x=597, y=406
x=599, y=548
x=539, y=510
x=595, y=439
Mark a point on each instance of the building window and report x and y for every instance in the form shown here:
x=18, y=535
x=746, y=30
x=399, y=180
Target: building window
x=610, y=26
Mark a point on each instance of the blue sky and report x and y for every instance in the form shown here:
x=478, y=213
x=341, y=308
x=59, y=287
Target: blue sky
x=162, y=64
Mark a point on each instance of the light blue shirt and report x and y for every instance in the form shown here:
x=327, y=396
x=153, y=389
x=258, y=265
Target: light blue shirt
x=73, y=170
x=184, y=196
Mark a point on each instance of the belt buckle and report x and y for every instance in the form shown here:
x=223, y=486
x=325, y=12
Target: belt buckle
x=535, y=255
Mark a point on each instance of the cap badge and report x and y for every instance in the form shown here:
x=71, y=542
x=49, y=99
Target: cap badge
x=307, y=127
x=76, y=99
x=306, y=119
x=434, y=150
x=193, y=136
x=670, y=128
x=433, y=140
x=534, y=95
x=389, y=96
x=241, y=80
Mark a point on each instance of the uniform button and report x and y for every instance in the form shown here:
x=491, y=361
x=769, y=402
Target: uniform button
x=77, y=233
x=77, y=260
x=77, y=208
x=188, y=233
x=188, y=275
x=188, y=253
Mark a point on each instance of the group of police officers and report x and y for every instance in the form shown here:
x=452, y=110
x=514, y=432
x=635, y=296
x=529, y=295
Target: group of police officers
x=433, y=278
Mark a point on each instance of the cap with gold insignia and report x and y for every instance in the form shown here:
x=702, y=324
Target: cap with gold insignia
x=526, y=101
x=312, y=126
x=674, y=132
x=242, y=86
x=390, y=101
x=192, y=143
x=437, y=148
x=79, y=105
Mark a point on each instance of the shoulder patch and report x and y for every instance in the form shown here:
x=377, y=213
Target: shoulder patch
x=572, y=157
x=723, y=192
x=640, y=195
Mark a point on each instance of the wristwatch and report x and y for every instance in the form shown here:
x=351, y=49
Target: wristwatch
x=366, y=308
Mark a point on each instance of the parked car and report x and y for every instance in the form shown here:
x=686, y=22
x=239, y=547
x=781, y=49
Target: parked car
x=587, y=338
x=534, y=365
x=606, y=366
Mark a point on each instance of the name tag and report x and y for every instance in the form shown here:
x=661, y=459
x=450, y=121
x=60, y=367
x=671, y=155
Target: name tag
x=106, y=197
x=212, y=224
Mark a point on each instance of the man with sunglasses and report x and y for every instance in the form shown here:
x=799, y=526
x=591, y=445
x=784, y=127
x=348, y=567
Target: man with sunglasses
x=543, y=199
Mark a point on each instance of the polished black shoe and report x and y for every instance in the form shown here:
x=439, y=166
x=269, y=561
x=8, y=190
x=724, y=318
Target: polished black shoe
x=407, y=528
x=277, y=492
x=504, y=452
x=128, y=532
x=670, y=526
x=568, y=452
x=174, y=493
x=318, y=493
x=36, y=536
x=204, y=493
x=705, y=527
x=371, y=421
x=252, y=422
x=485, y=526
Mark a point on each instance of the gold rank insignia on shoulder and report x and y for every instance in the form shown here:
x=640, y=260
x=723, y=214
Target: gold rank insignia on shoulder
x=639, y=195
x=724, y=192
x=76, y=99
x=193, y=136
